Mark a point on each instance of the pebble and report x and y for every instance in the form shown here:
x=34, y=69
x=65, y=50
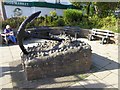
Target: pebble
x=69, y=43
x=42, y=54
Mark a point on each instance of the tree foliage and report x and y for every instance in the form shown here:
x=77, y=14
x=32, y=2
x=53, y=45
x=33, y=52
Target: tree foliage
x=102, y=9
x=106, y=8
x=72, y=16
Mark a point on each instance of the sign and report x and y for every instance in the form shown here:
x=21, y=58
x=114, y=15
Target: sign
x=17, y=12
x=17, y=3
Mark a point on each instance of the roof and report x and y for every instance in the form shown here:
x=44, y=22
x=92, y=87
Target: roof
x=40, y=4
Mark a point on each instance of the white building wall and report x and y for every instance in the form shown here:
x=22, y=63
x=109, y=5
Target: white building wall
x=27, y=11
x=60, y=12
x=47, y=11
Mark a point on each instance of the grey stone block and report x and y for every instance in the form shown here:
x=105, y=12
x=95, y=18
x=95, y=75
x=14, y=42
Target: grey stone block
x=59, y=61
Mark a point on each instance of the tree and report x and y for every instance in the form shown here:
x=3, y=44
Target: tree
x=102, y=9
x=87, y=7
x=106, y=8
x=77, y=4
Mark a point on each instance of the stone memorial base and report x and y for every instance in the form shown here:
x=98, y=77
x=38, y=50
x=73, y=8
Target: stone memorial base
x=55, y=59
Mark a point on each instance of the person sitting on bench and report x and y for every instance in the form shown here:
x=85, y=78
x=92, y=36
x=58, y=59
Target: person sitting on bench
x=9, y=34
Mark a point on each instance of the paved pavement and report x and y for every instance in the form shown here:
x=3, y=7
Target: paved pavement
x=103, y=73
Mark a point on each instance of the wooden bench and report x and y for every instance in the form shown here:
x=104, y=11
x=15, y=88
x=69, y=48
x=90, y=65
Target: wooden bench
x=105, y=35
x=4, y=39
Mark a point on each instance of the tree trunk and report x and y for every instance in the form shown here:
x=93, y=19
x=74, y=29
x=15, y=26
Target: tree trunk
x=88, y=9
x=96, y=9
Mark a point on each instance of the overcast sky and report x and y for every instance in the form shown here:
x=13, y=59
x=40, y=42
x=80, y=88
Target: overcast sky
x=51, y=1
x=62, y=1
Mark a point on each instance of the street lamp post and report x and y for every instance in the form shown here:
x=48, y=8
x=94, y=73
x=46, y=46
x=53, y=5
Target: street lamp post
x=2, y=9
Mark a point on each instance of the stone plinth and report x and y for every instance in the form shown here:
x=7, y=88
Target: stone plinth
x=55, y=59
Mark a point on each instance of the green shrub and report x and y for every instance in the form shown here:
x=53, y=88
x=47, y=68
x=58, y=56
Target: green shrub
x=58, y=22
x=109, y=23
x=53, y=13
x=13, y=22
x=72, y=16
x=95, y=22
x=90, y=22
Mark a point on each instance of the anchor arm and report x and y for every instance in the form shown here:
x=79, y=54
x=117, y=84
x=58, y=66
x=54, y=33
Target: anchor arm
x=21, y=31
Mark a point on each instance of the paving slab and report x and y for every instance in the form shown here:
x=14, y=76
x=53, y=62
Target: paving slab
x=115, y=86
x=5, y=68
x=6, y=59
x=5, y=54
x=100, y=60
x=102, y=74
x=111, y=66
x=115, y=71
x=97, y=82
x=9, y=85
x=6, y=76
x=111, y=79
x=76, y=85
x=15, y=52
x=0, y=76
x=5, y=80
x=92, y=82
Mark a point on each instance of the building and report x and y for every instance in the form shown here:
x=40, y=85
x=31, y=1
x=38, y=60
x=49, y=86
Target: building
x=117, y=13
x=26, y=8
